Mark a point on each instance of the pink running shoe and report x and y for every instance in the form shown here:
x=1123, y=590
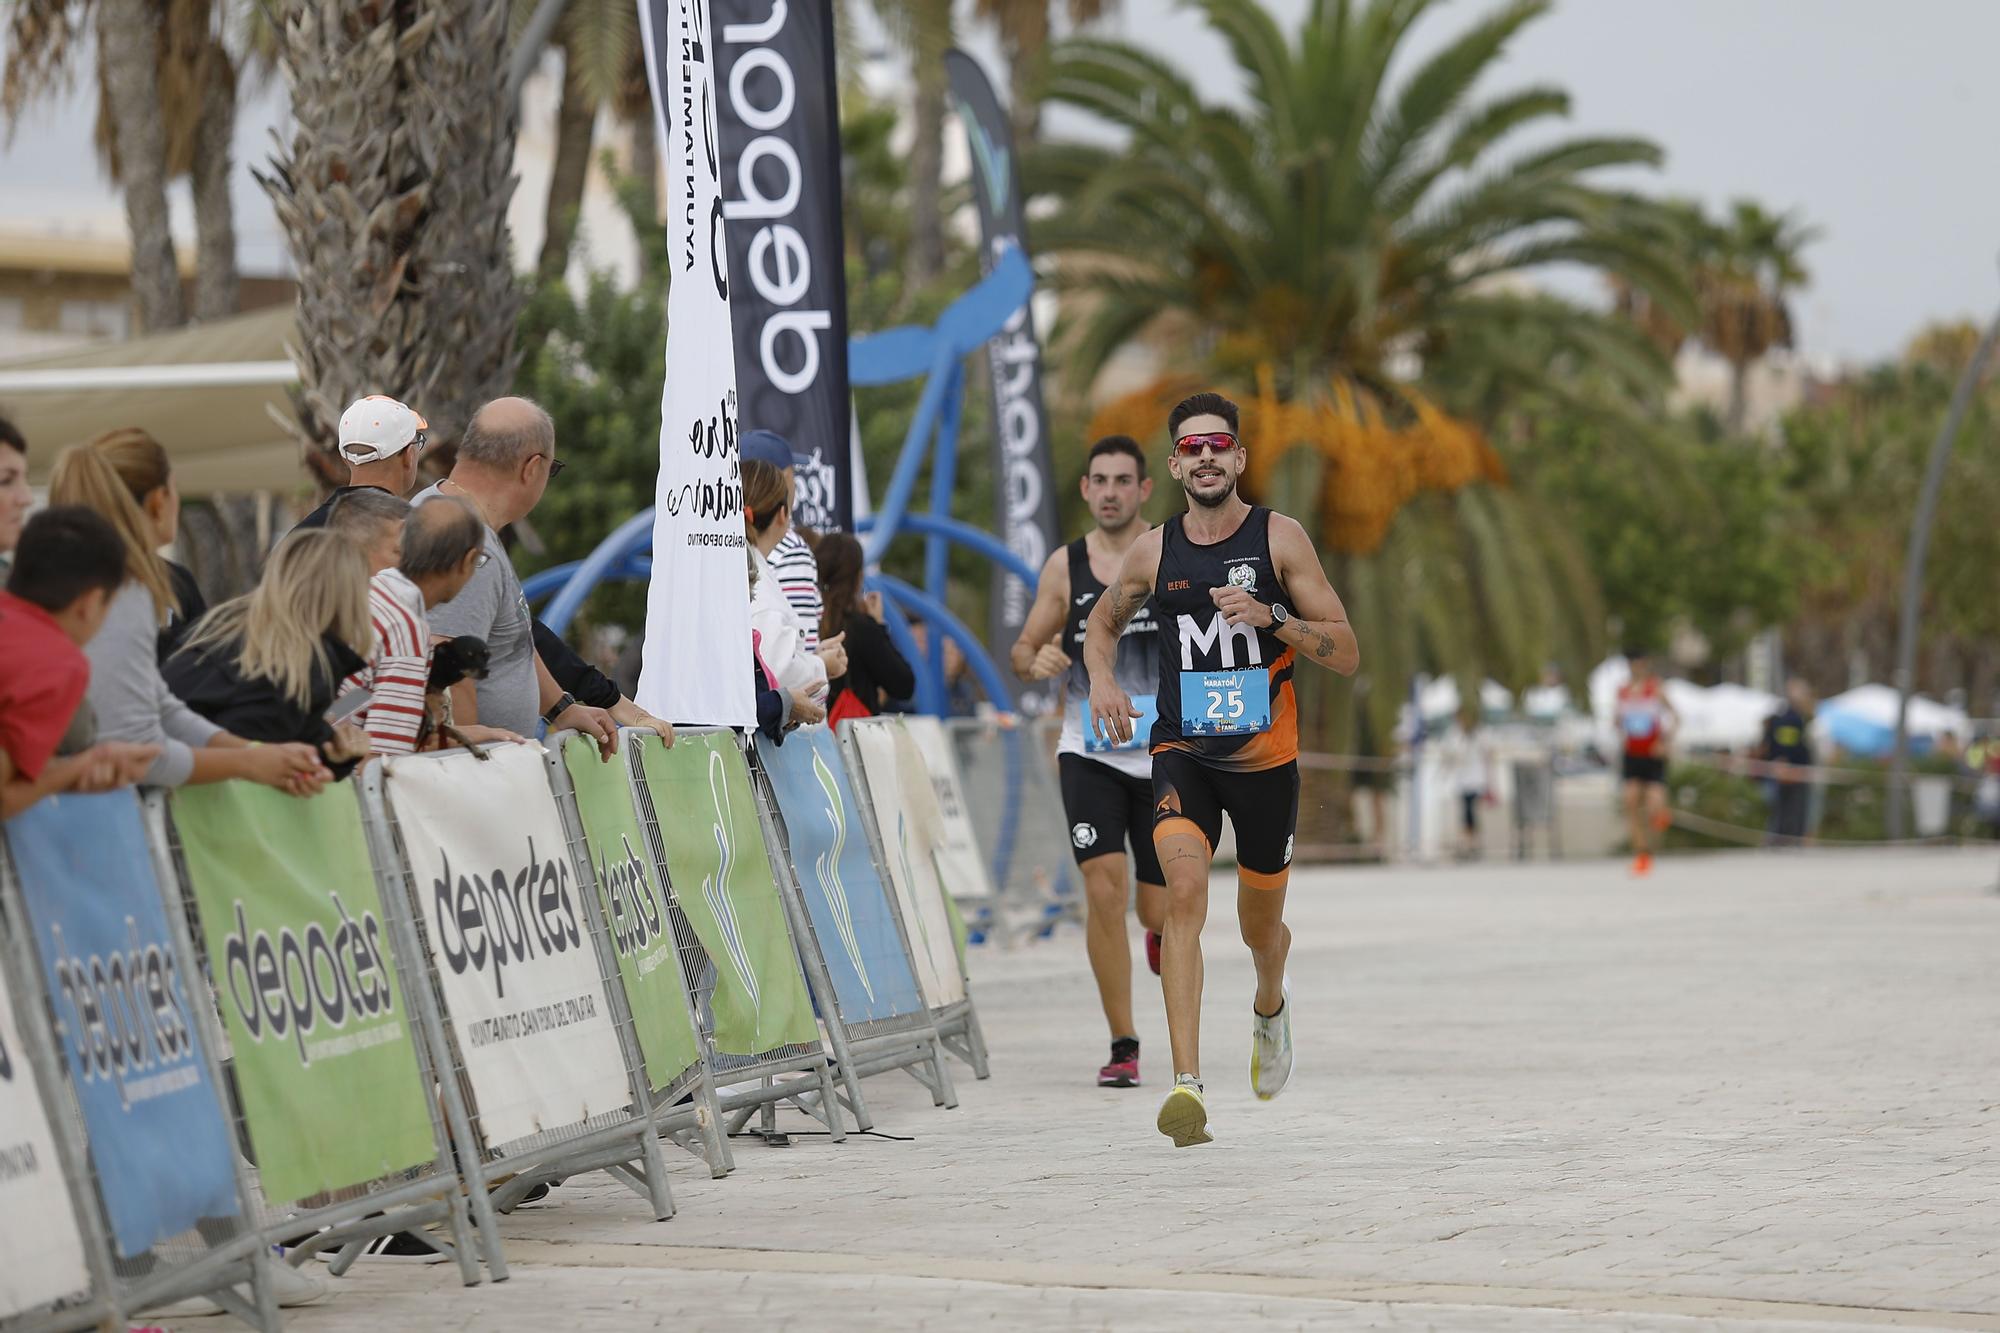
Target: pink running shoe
x=1123, y=1071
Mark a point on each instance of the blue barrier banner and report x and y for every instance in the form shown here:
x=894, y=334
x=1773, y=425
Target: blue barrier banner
x=844, y=895
x=124, y=1016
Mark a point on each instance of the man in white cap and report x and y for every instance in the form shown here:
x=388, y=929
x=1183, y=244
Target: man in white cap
x=380, y=439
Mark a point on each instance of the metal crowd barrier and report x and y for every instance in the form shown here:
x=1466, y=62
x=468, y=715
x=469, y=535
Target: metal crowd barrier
x=798, y=1072
x=1017, y=814
x=494, y=1156
x=345, y=1217
x=456, y=1142
x=100, y=1019
x=864, y=1043
x=915, y=876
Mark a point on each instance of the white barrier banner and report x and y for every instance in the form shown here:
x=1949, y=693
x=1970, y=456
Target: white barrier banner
x=504, y=915
x=906, y=811
x=697, y=648
x=960, y=863
x=41, y=1254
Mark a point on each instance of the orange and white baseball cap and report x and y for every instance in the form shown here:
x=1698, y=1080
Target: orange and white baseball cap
x=378, y=427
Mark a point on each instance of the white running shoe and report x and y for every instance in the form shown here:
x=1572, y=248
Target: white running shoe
x=1184, y=1115
x=1271, y=1048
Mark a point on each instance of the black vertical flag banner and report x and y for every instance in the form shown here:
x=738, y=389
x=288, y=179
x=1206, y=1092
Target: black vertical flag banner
x=778, y=116
x=1025, y=502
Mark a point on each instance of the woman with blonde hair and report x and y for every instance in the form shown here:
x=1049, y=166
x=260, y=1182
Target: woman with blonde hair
x=141, y=463
x=128, y=696
x=268, y=665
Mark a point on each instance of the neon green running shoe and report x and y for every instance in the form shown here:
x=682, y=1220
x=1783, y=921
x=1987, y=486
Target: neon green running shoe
x=1184, y=1115
x=1271, y=1048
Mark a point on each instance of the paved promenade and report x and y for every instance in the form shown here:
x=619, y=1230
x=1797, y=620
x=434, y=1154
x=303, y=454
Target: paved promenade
x=1752, y=1092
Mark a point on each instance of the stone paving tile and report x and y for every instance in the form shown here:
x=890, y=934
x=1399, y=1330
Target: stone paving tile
x=1750, y=1079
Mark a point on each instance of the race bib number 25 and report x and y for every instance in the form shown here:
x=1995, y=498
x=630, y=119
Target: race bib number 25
x=1225, y=703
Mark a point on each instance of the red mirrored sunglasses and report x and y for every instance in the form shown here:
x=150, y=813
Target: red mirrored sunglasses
x=1190, y=446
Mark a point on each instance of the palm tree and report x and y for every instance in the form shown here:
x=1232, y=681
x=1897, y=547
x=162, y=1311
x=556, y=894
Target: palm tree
x=167, y=88
x=923, y=28
x=392, y=191
x=1336, y=246
x=603, y=65
x=1025, y=28
x=1743, y=270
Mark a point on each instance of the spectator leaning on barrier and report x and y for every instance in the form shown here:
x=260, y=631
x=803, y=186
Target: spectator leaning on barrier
x=141, y=463
x=505, y=462
x=875, y=669
x=767, y=517
x=441, y=546
x=268, y=665
x=381, y=440
x=372, y=520
x=127, y=693
x=67, y=565
x=792, y=560
x=15, y=497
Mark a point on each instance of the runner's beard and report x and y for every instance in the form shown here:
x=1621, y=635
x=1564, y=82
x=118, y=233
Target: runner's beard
x=1209, y=501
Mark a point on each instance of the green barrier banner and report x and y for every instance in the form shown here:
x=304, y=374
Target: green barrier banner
x=722, y=876
x=635, y=909
x=300, y=956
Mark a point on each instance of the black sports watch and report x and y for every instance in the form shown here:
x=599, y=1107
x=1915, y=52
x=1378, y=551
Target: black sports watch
x=559, y=707
x=1279, y=615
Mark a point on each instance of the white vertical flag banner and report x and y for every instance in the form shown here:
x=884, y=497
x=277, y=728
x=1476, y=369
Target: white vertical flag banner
x=41, y=1254
x=503, y=914
x=697, y=651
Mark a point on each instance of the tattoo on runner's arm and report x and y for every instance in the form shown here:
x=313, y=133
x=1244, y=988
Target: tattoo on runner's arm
x=1121, y=609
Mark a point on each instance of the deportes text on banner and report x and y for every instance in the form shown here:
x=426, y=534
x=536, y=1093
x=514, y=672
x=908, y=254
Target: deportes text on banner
x=961, y=865
x=1024, y=501
x=124, y=1016
x=503, y=914
x=697, y=646
x=317, y=1016
x=721, y=872
x=844, y=894
x=778, y=124
x=906, y=812
x=41, y=1252
x=635, y=910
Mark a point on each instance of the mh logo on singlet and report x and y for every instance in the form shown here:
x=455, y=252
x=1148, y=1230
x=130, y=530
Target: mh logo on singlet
x=1232, y=697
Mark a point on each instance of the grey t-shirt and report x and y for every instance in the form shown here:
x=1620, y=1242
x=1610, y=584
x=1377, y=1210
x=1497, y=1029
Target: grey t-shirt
x=492, y=608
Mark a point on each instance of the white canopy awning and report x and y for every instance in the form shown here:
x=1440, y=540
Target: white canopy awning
x=213, y=394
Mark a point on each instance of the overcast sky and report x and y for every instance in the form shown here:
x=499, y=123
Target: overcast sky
x=1876, y=122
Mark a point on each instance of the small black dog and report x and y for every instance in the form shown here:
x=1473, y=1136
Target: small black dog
x=452, y=661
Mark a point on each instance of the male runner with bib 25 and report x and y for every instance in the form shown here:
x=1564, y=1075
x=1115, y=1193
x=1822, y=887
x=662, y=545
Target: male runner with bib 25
x=1240, y=597
x=1107, y=789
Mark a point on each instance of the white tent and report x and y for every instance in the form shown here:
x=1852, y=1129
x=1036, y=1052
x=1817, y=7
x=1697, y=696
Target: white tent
x=1439, y=699
x=1863, y=720
x=211, y=394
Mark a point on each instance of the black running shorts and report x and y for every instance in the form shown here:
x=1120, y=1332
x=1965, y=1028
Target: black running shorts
x=1106, y=808
x=1645, y=768
x=1263, y=808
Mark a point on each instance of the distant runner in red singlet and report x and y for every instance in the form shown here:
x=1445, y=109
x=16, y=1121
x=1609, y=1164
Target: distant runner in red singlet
x=1646, y=720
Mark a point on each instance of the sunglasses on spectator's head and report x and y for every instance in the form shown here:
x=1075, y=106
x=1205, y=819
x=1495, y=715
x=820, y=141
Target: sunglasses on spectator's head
x=1190, y=446
x=556, y=465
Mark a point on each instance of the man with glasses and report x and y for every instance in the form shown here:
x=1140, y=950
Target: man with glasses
x=1240, y=596
x=505, y=462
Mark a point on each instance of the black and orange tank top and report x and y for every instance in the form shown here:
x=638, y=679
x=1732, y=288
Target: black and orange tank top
x=1225, y=693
